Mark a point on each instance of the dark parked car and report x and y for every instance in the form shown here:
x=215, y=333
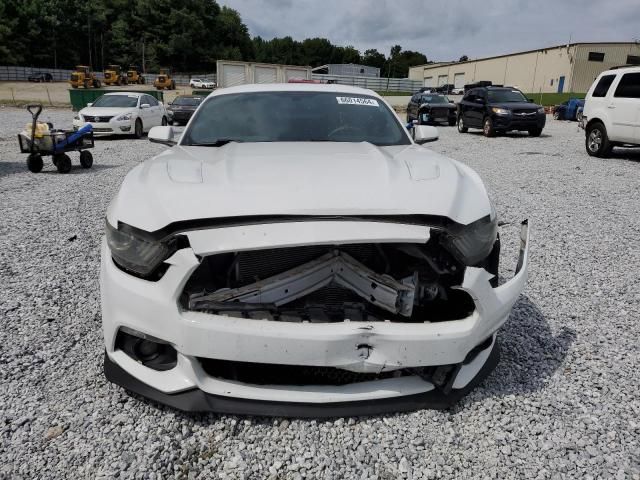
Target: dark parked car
x=498, y=110
x=446, y=88
x=181, y=109
x=431, y=108
x=40, y=77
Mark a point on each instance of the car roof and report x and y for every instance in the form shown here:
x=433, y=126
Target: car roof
x=295, y=87
x=624, y=68
x=128, y=94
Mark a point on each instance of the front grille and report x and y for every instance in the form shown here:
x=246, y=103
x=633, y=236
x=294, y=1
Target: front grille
x=276, y=374
x=439, y=112
x=524, y=113
x=88, y=118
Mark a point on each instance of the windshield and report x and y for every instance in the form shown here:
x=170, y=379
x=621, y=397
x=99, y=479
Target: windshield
x=116, y=101
x=187, y=101
x=434, y=99
x=505, y=96
x=295, y=117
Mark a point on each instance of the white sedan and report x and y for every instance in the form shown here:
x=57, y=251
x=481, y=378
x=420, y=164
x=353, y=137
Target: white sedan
x=199, y=83
x=122, y=113
x=317, y=262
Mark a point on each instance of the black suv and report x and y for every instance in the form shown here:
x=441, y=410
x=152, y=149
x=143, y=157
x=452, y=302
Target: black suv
x=431, y=108
x=499, y=110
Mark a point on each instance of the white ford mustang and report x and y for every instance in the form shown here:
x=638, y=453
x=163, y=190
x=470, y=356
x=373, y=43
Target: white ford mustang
x=297, y=252
x=122, y=113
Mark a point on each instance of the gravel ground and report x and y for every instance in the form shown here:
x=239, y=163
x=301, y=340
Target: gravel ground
x=563, y=402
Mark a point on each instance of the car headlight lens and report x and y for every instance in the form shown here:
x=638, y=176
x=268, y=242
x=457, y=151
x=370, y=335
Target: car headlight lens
x=472, y=243
x=500, y=111
x=134, y=253
x=541, y=110
x=126, y=116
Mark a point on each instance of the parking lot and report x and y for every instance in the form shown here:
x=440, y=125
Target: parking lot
x=562, y=402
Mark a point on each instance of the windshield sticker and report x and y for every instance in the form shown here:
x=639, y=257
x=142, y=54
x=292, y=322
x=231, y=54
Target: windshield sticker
x=369, y=102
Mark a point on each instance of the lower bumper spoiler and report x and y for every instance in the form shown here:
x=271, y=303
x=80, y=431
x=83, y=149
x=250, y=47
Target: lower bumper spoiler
x=196, y=400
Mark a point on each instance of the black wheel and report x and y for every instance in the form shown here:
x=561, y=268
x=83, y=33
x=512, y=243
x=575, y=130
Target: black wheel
x=170, y=122
x=142, y=80
x=173, y=85
x=452, y=122
x=597, y=141
x=63, y=163
x=34, y=162
x=535, y=132
x=86, y=159
x=97, y=84
x=462, y=128
x=138, y=130
x=164, y=121
x=487, y=127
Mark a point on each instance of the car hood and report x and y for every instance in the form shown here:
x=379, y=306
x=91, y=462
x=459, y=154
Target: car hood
x=439, y=105
x=105, y=111
x=515, y=105
x=297, y=178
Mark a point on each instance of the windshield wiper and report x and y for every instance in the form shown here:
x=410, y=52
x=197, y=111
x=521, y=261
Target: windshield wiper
x=216, y=143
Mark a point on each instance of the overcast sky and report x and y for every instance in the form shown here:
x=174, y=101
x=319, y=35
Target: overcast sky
x=444, y=30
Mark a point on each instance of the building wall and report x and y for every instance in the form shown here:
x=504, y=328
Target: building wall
x=352, y=69
x=532, y=72
x=585, y=71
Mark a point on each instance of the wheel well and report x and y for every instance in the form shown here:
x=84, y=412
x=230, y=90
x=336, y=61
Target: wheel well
x=592, y=122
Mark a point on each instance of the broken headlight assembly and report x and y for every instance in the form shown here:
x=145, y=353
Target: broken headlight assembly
x=137, y=255
x=472, y=243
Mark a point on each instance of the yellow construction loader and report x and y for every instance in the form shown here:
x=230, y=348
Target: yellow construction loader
x=113, y=75
x=84, y=77
x=134, y=75
x=164, y=80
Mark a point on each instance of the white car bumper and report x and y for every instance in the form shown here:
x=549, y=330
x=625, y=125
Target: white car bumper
x=103, y=129
x=152, y=309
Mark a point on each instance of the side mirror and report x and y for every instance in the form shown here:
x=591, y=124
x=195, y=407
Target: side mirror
x=163, y=134
x=145, y=105
x=424, y=134
x=89, y=104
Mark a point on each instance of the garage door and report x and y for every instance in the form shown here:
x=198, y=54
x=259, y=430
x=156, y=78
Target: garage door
x=442, y=79
x=428, y=82
x=234, y=75
x=266, y=75
x=458, y=80
x=295, y=73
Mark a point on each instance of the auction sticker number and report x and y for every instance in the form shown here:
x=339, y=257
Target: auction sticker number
x=367, y=102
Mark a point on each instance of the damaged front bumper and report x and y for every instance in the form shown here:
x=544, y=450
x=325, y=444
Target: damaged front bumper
x=463, y=350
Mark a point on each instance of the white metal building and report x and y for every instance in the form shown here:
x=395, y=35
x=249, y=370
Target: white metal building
x=564, y=68
x=348, y=69
x=231, y=73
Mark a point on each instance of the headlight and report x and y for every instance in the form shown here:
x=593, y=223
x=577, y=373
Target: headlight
x=500, y=111
x=126, y=116
x=131, y=252
x=541, y=110
x=473, y=243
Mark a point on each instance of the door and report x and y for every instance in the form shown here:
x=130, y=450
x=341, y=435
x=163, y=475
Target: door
x=560, y=84
x=233, y=75
x=442, y=80
x=474, y=108
x=458, y=80
x=266, y=75
x=151, y=116
x=624, y=109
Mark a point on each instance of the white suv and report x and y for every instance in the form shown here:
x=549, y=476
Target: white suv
x=612, y=111
x=198, y=83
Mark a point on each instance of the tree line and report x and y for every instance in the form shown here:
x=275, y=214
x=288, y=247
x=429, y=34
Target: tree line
x=188, y=36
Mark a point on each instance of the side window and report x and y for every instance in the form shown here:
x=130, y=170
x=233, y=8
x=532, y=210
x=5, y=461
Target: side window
x=151, y=100
x=603, y=86
x=470, y=96
x=629, y=86
x=416, y=98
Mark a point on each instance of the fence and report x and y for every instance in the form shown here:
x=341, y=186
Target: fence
x=378, y=84
x=11, y=73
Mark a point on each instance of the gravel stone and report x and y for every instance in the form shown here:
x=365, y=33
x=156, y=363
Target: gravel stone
x=562, y=403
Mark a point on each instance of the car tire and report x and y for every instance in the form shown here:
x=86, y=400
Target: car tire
x=63, y=163
x=596, y=140
x=462, y=128
x=487, y=127
x=86, y=159
x=35, y=163
x=535, y=132
x=164, y=121
x=138, y=129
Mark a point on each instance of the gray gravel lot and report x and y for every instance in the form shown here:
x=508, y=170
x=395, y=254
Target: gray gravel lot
x=564, y=401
